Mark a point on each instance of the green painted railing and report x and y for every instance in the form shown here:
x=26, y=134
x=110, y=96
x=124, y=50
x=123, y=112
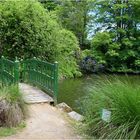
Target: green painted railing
x=42, y=74
x=9, y=71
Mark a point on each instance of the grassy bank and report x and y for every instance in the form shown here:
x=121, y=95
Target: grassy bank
x=7, y=131
x=122, y=101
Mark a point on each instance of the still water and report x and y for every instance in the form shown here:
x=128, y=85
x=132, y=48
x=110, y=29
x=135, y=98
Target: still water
x=71, y=91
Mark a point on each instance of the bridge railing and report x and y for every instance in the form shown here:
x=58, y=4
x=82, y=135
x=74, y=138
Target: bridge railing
x=42, y=74
x=9, y=71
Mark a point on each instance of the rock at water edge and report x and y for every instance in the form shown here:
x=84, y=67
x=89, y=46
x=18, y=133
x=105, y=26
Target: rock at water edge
x=64, y=107
x=76, y=116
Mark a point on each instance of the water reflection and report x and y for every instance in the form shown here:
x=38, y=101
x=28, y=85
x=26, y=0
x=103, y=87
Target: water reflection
x=72, y=90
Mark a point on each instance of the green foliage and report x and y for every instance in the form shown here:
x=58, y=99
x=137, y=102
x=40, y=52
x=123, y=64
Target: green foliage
x=68, y=46
x=116, y=40
x=27, y=30
x=103, y=48
x=85, y=53
x=11, y=94
x=122, y=99
x=5, y=131
x=73, y=16
x=13, y=109
x=102, y=39
x=49, y=5
x=120, y=57
x=24, y=31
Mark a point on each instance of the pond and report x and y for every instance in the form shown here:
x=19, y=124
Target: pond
x=71, y=91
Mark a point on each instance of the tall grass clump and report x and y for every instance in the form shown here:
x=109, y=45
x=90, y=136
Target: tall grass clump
x=122, y=99
x=12, y=107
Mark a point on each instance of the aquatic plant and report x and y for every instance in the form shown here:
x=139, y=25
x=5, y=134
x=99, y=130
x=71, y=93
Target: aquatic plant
x=121, y=100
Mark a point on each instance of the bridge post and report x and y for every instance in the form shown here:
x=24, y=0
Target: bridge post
x=2, y=69
x=55, y=82
x=16, y=71
x=22, y=70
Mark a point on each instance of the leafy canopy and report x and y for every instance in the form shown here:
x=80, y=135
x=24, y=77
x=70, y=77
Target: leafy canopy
x=27, y=30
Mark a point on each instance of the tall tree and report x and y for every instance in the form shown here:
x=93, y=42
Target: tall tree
x=49, y=5
x=119, y=19
x=74, y=15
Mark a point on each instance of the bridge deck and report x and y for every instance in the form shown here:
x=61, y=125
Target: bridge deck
x=33, y=95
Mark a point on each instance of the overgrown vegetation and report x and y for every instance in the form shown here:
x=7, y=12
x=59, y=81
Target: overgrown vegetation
x=68, y=46
x=7, y=131
x=73, y=15
x=12, y=107
x=28, y=30
x=109, y=29
x=117, y=35
x=122, y=100
x=107, y=32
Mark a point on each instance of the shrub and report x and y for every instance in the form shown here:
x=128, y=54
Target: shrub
x=118, y=56
x=28, y=30
x=12, y=107
x=67, y=46
x=23, y=29
x=123, y=100
x=104, y=49
x=89, y=64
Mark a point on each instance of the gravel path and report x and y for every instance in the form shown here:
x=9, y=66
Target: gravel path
x=45, y=122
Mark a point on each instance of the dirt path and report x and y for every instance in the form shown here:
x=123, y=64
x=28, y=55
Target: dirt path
x=45, y=123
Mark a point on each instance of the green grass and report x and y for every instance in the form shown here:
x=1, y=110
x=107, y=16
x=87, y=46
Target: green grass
x=10, y=93
x=12, y=107
x=5, y=131
x=14, y=110
x=122, y=98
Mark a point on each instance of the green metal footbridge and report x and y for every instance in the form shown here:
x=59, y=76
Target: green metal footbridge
x=33, y=71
